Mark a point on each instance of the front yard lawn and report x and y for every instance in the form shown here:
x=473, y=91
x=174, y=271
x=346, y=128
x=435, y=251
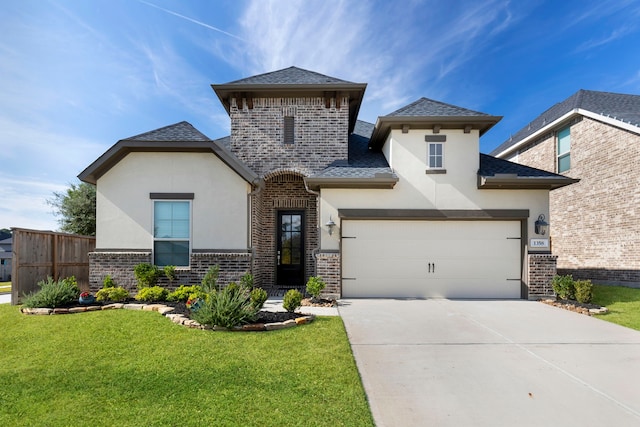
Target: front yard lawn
x=5, y=287
x=132, y=368
x=623, y=304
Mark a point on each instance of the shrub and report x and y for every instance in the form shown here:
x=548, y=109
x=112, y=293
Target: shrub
x=146, y=275
x=116, y=294
x=184, y=293
x=210, y=279
x=170, y=272
x=583, y=291
x=108, y=282
x=246, y=281
x=315, y=285
x=564, y=287
x=258, y=297
x=53, y=294
x=153, y=293
x=233, y=287
x=292, y=300
x=226, y=308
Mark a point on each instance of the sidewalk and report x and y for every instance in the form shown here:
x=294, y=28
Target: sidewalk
x=275, y=304
x=5, y=298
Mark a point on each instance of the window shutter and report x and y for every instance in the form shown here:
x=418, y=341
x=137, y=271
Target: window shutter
x=289, y=135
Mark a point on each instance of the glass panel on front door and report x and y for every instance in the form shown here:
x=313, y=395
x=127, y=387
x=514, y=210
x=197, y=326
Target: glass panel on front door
x=290, y=271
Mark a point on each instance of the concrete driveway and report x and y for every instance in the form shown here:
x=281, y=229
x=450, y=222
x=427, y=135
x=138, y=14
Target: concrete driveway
x=492, y=363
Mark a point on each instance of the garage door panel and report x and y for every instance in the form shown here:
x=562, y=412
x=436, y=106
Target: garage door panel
x=449, y=259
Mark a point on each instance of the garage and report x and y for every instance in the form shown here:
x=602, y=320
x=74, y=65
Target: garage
x=431, y=259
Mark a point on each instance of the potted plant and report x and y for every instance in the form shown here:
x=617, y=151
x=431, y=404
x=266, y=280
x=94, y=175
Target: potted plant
x=86, y=298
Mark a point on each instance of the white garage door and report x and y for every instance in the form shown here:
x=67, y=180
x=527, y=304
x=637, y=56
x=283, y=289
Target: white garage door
x=431, y=259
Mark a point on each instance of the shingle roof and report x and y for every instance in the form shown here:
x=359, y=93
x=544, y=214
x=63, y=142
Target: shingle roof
x=497, y=173
x=622, y=107
x=288, y=76
x=182, y=131
x=429, y=107
x=491, y=166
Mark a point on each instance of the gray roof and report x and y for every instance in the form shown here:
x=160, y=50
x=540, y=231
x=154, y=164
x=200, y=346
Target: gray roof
x=428, y=107
x=288, y=76
x=622, y=107
x=499, y=173
x=182, y=131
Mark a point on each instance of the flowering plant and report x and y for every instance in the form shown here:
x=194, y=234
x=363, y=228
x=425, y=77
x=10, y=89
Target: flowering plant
x=85, y=294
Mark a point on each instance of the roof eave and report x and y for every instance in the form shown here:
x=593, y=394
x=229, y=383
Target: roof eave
x=384, y=124
x=380, y=183
x=512, y=182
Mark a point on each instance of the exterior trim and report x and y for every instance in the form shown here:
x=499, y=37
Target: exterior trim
x=435, y=138
x=171, y=196
x=372, y=183
x=123, y=250
x=514, y=182
x=434, y=214
x=435, y=171
x=220, y=251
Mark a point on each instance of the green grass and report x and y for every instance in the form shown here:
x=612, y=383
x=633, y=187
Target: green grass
x=132, y=368
x=5, y=287
x=623, y=304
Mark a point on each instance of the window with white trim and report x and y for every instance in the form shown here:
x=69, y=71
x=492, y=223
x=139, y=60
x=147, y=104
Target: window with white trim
x=171, y=232
x=435, y=155
x=564, y=150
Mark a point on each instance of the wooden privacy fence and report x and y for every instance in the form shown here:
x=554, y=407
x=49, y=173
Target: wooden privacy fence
x=39, y=254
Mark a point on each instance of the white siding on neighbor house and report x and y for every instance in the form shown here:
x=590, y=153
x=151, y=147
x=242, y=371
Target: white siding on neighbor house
x=456, y=189
x=125, y=211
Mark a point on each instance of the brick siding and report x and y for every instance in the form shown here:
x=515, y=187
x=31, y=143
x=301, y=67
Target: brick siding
x=328, y=267
x=540, y=272
x=595, y=224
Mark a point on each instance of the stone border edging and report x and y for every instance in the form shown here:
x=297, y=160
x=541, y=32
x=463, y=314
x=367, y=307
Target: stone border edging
x=575, y=308
x=175, y=318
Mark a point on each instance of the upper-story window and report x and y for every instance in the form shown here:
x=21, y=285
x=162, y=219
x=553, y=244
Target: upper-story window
x=564, y=150
x=289, y=134
x=435, y=157
x=171, y=233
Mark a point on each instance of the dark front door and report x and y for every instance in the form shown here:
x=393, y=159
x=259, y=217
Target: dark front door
x=290, y=255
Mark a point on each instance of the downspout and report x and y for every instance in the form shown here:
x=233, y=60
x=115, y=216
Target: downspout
x=315, y=251
x=259, y=186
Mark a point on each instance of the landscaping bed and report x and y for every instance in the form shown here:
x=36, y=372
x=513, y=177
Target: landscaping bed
x=578, y=307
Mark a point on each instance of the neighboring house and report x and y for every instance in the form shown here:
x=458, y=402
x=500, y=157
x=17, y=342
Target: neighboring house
x=403, y=208
x=5, y=259
x=594, y=137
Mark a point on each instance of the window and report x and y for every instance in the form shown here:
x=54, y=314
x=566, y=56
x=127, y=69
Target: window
x=171, y=233
x=564, y=147
x=436, y=155
x=289, y=135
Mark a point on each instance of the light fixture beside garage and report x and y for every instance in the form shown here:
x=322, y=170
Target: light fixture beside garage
x=541, y=225
x=330, y=225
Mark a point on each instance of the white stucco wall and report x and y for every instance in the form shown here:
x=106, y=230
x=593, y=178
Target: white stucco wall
x=457, y=189
x=125, y=211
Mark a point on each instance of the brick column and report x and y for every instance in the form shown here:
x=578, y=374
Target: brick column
x=328, y=267
x=540, y=272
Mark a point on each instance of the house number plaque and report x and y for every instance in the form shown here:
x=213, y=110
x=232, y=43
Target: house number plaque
x=540, y=243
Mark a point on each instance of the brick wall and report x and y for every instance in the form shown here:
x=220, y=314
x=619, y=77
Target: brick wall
x=540, y=272
x=595, y=224
x=120, y=266
x=328, y=267
x=320, y=134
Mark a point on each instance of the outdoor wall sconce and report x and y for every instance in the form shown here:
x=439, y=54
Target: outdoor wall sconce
x=541, y=225
x=330, y=225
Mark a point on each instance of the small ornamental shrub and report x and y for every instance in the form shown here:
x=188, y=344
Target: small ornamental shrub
x=292, y=300
x=210, y=279
x=108, y=282
x=116, y=294
x=315, y=285
x=233, y=287
x=564, y=287
x=153, y=293
x=258, y=297
x=246, y=282
x=53, y=294
x=227, y=308
x=146, y=275
x=170, y=273
x=583, y=291
x=185, y=293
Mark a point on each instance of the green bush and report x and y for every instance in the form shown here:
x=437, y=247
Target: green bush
x=184, y=293
x=108, y=282
x=116, y=294
x=170, y=272
x=53, y=294
x=227, y=308
x=292, y=300
x=153, y=293
x=258, y=297
x=246, y=282
x=583, y=291
x=315, y=285
x=210, y=279
x=146, y=275
x=233, y=287
x=564, y=287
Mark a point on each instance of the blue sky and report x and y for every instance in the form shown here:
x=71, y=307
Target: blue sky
x=77, y=75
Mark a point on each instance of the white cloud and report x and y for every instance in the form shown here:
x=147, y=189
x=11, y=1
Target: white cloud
x=24, y=202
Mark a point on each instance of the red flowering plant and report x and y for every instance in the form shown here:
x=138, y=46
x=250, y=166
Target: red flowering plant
x=85, y=294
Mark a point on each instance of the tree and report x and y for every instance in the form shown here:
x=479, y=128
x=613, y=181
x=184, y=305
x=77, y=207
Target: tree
x=77, y=209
